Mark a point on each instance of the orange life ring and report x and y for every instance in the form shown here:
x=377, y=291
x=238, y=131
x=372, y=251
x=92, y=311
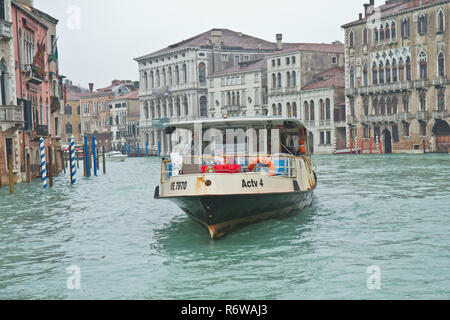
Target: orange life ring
x=263, y=160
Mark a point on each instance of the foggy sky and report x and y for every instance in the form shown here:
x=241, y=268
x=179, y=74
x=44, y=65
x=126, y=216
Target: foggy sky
x=113, y=32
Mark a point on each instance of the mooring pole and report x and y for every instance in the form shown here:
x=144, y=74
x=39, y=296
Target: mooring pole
x=73, y=169
x=28, y=168
x=43, y=166
x=50, y=166
x=11, y=174
x=94, y=155
x=104, y=162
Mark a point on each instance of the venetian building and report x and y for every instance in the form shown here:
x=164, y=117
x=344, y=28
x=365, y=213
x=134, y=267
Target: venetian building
x=174, y=80
x=397, y=75
x=11, y=115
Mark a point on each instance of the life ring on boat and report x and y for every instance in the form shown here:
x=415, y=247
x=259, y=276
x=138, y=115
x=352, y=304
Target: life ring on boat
x=263, y=160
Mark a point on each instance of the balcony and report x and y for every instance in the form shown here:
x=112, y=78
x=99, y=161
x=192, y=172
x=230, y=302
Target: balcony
x=41, y=130
x=5, y=30
x=386, y=88
x=291, y=90
x=365, y=119
x=55, y=105
x=276, y=91
x=422, y=115
x=34, y=75
x=440, y=115
x=439, y=81
x=11, y=117
x=404, y=117
x=350, y=91
x=340, y=123
x=325, y=123
x=160, y=92
x=421, y=84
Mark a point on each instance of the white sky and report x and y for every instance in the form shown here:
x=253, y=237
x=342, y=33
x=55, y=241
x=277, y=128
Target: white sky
x=113, y=32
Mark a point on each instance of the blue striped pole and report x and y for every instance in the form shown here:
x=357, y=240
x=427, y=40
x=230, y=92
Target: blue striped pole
x=43, y=164
x=159, y=148
x=73, y=171
x=86, y=156
x=94, y=154
x=138, y=150
x=146, y=149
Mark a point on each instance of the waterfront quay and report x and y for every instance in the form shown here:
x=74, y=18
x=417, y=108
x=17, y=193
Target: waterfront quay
x=385, y=210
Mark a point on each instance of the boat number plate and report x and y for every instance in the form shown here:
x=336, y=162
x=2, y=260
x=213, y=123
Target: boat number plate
x=175, y=186
x=252, y=184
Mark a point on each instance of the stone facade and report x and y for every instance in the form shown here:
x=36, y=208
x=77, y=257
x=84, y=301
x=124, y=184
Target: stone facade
x=397, y=76
x=239, y=91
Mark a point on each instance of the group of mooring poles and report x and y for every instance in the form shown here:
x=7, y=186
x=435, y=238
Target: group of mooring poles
x=355, y=148
x=92, y=158
x=127, y=149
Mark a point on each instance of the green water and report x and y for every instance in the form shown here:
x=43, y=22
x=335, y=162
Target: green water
x=389, y=211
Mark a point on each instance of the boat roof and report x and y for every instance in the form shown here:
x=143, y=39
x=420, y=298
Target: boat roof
x=235, y=122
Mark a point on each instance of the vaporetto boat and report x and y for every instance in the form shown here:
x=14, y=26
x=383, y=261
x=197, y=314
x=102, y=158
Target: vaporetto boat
x=116, y=156
x=226, y=190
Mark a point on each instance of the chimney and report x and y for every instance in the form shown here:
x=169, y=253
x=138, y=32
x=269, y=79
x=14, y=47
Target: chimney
x=91, y=87
x=360, y=16
x=279, y=41
x=216, y=37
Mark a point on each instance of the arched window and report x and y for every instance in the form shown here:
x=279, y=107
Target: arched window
x=306, y=107
x=375, y=109
x=394, y=105
x=177, y=75
x=233, y=99
x=423, y=65
x=321, y=110
x=366, y=106
x=238, y=98
x=387, y=31
x=441, y=100
x=401, y=70
x=158, y=79
x=280, y=109
x=68, y=128
x=351, y=39
x=153, y=111
x=311, y=110
x=294, y=110
x=441, y=65
x=422, y=24
x=388, y=106
x=289, y=110
x=203, y=107
x=327, y=109
x=394, y=71
x=423, y=101
x=163, y=77
x=388, y=72
x=365, y=75
x=279, y=80
x=152, y=80
x=393, y=31
x=408, y=69
x=381, y=72
x=405, y=104
x=169, y=76
x=4, y=83
x=185, y=74
x=441, y=21
x=145, y=80
x=294, y=79
x=375, y=35
x=352, y=77
x=146, y=113
x=365, y=35
x=202, y=73
x=405, y=28
x=288, y=79
x=382, y=106
x=274, y=80
x=374, y=74
x=382, y=33
x=274, y=109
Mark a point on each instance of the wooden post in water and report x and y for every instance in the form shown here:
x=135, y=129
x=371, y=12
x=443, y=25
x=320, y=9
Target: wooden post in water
x=50, y=166
x=61, y=152
x=11, y=174
x=84, y=160
x=104, y=162
x=78, y=160
x=28, y=168
x=71, y=164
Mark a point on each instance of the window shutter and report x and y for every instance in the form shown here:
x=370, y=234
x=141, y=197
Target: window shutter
x=425, y=22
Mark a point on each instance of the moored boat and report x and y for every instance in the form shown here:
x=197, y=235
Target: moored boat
x=269, y=175
x=116, y=156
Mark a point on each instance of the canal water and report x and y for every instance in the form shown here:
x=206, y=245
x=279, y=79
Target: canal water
x=390, y=211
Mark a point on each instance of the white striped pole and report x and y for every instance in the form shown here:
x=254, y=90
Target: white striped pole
x=335, y=145
x=356, y=145
x=378, y=144
x=72, y=156
x=43, y=164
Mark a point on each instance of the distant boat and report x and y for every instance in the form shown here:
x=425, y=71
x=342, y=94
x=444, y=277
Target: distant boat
x=116, y=156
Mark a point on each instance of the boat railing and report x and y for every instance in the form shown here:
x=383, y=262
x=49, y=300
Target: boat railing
x=285, y=165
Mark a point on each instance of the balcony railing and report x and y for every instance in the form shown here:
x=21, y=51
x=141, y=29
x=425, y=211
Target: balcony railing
x=386, y=87
x=324, y=123
x=11, y=114
x=5, y=30
x=422, y=115
x=365, y=119
x=439, y=81
x=350, y=91
x=421, y=84
x=275, y=91
x=33, y=74
x=439, y=115
x=404, y=116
